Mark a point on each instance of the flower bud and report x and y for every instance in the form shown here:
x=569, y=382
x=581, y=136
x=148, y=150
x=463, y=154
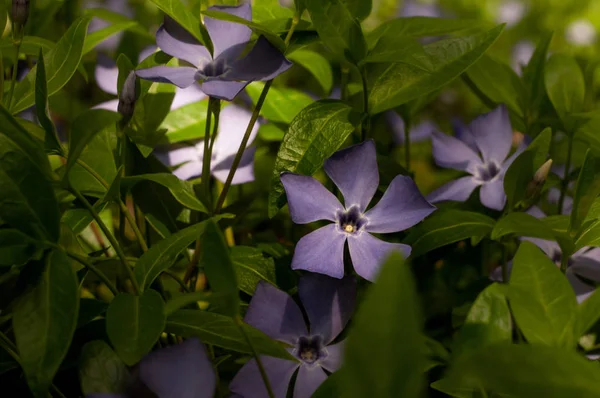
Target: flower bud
x=128, y=96
x=20, y=12
x=539, y=178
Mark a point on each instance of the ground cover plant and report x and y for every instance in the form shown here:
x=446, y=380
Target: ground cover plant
x=307, y=198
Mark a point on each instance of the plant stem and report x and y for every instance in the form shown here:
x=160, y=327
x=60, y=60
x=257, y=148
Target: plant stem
x=367, y=120
x=110, y=238
x=565, y=181
x=215, y=130
x=504, y=264
x=13, y=82
x=564, y=262
x=407, y=144
x=9, y=347
x=177, y=279
x=92, y=268
x=206, y=156
x=261, y=368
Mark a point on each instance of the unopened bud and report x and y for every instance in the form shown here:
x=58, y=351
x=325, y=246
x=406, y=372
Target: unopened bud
x=20, y=12
x=539, y=178
x=128, y=96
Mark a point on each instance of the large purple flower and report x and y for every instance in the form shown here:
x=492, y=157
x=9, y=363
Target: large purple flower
x=481, y=149
x=354, y=171
x=179, y=371
x=232, y=126
x=329, y=304
x=223, y=74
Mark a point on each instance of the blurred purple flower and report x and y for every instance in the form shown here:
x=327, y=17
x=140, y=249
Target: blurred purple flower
x=179, y=371
x=412, y=8
x=117, y=6
x=354, y=172
x=481, y=149
x=224, y=74
x=419, y=132
x=329, y=304
x=521, y=54
x=232, y=126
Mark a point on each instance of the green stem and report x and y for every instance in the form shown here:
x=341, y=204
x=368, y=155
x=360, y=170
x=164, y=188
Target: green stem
x=93, y=269
x=367, y=120
x=407, y=144
x=177, y=279
x=216, y=111
x=504, y=264
x=261, y=368
x=110, y=238
x=9, y=347
x=565, y=181
x=13, y=82
x=206, y=156
x=1, y=79
x=564, y=262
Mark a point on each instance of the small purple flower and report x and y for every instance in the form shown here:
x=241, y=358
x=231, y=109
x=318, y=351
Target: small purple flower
x=419, y=132
x=481, y=149
x=232, y=126
x=354, y=172
x=329, y=304
x=179, y=371
x=224, y=74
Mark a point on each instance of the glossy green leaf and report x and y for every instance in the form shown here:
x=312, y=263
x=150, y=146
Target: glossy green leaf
x=267, y=10
x=359, y=8
x=61, y=63
x=564, y=84
x=447, y=226
x=541, y=298
x=282, y=104
x=101, y=370
x=251, y=267
x=116, y=18
x=134, y=324
x=183, y=191
x=186, y=123
x=31, y=45
x=78, y=219
x=314, y=135
x=533, y=73
x=16, y=248
x=586, y=191
x=222, y=331
x=316, y=64
x=178, y=301
x=41, y=107
x=523, y=224
x=406, y=50
x=392, y=85
x=270, y=132
x=44, y=321
x=163, y=254
x=391, y=363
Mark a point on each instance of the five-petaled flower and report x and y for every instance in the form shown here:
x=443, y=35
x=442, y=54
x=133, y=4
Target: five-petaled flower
x=224, y=73
x=354, y=171
x=182, y=371
x=232, y=126
x=481, y=149
x=329, y=304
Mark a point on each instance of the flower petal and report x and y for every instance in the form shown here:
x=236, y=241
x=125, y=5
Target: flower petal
x=452, y=153
x=308, y=199
x=106, y=74
x=492, y=194
x=401, y=207
x=249, y=384
x=368, y=253
x=550, y=248
x=229, y=37
x=111, y=105
x=174, y=40
x=419, y=132
x=321, y=251
x=493, y=134
x=275, y=313
x=243, y=174
x=233, y=122
x=181, y=76
x=178, y=156
x=328, y=302
x=458, y=190
x=586, y=267
x=189, y=170
x=308, y=380
x=186, y=96
x=222, y=89
x=263, y=62
x=354, y=171
x=582, y=290
x=179, y=371
x=335, y=355
x=462, y=132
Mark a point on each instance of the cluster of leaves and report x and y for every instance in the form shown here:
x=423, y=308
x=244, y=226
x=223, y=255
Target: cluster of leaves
x=101, y=242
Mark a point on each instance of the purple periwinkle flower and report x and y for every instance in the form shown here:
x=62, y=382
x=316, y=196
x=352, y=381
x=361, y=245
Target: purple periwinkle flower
x=178, y=371
x=232, y=126
x=481, y=149
x=329, y=304
x=223, y=74
x=354, y=172
x=419, y=132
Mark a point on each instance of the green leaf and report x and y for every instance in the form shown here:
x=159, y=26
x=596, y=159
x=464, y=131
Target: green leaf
x=338, y=28
x=16, y=248
x=282, y=104
x=499, y=83
x=523, y=224
x=186, y=123
x=83, y=130
x=359, y=9
x=163, y=254
x=134, y=324
x=116, y=18
x=588, y=313
x=331, y=387
x=447, y=226
x=266, y=10
x=219, y=268
x=533, y=73
x=564, y=84
x=44, y=321
x=488, y=322
x=183, y=191
x=541, y=298
x=222, y=331
x=316, y=64
x=406, y=50
x=506, y=370
x=61, y=63
x=314, y=135
x=78, y=219
x=178, y=301
x=101, y=370
x=183, y=16
x=521, y=172
x=586, y=191
x=30, y=45
x=270, y=132
x=251, y=267
x=392, y=85
x=386, y=361
x=41, y=108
